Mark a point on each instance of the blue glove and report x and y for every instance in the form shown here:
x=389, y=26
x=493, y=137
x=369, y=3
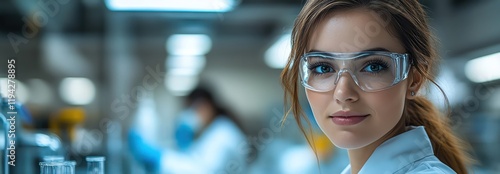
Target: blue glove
x=187, y=127
x=145, y=153
x=184, y=136
x=26, y=117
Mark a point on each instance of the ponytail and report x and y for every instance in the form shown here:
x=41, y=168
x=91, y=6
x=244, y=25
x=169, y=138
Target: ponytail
x=447, y=147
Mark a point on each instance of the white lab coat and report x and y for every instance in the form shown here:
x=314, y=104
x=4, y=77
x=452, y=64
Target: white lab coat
x=409, y=152
x=219, y=149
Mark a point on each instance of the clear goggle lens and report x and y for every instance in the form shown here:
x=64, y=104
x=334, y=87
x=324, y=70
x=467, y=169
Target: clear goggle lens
x=371, y=70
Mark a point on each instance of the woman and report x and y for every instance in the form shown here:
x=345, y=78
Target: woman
x=208, y=140
x=362, y=63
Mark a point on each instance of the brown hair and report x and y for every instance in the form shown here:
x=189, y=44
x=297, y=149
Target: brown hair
x=406, y=20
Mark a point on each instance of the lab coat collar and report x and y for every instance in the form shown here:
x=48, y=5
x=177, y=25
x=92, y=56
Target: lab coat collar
x=398, y=152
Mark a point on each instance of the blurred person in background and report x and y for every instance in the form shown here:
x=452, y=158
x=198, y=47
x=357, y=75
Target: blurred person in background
x=208, y=140
x=362, y=63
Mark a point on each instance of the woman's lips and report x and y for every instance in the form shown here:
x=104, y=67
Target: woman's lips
x=347, y=118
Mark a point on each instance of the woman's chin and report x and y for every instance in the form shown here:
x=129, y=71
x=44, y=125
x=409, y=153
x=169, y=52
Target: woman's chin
x=350, y=144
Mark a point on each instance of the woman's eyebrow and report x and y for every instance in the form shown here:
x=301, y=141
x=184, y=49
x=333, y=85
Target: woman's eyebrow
x=315, y=51
x=376, y=49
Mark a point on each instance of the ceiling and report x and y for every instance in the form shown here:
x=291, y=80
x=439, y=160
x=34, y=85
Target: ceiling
x=256, y=17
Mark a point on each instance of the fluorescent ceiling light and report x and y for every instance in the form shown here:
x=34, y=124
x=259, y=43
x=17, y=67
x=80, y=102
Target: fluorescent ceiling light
x=172, y=5
x=182, y=73
x=188, y=44
x=277, y=55
x=180, y=85
x=483, y=69
x=185, y=65
x=77, y=91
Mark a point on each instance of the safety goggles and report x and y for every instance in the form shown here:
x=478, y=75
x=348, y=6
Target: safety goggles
x=371, y=70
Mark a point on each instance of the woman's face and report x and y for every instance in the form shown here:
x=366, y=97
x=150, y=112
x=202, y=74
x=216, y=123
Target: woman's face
x=354, y=31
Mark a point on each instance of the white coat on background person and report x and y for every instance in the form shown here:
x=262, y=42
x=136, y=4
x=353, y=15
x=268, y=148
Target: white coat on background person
x=209, y=140
x=217, y=150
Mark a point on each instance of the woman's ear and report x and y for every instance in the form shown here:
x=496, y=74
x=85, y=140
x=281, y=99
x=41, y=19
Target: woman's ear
x=415, y=81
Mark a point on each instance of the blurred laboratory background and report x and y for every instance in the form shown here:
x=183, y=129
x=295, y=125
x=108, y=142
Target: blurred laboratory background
x=126, y=81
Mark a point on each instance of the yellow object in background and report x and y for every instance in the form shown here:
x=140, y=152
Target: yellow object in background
x=324, y=148
x=67, y=120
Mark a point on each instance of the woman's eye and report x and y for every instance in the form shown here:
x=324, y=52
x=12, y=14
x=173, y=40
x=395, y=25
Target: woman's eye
x=321, y=69
x=373, y=68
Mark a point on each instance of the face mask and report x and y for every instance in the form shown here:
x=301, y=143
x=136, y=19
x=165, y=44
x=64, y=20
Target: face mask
x=190, y=119
x=189, y=124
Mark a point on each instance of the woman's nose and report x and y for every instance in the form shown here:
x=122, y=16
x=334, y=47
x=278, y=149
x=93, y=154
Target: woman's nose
x=345, y=89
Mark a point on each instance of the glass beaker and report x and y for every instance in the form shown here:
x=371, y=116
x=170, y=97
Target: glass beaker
x=53, y=159
x=95, y=164
x=57, y=167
